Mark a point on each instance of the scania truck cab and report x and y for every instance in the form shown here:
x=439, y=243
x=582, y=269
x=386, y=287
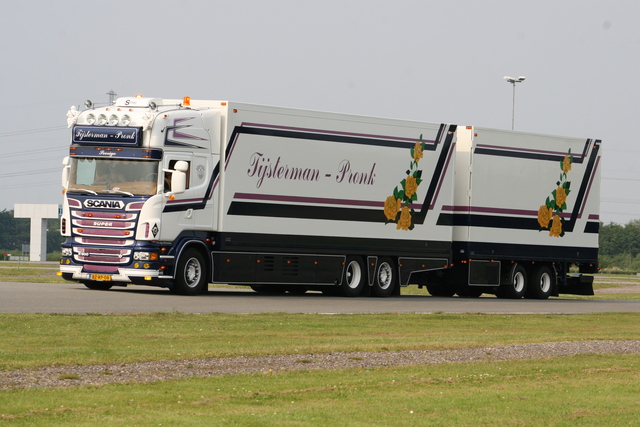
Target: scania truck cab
x=128, y=163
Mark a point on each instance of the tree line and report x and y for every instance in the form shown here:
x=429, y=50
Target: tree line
x=15, y=232
x=620, y=247
x=619, y=244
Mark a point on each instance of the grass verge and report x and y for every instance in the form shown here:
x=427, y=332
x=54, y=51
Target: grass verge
x=581, y=390
x=31, y=340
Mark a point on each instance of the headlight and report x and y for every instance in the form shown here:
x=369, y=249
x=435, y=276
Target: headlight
x=113, y=120
x=102, y=120
x=67, y=251
x=91, y=119
x=145, y=256
x=125, y=120
x=141, y=256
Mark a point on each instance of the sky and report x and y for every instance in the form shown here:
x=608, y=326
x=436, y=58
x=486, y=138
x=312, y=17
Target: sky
x=433, y=61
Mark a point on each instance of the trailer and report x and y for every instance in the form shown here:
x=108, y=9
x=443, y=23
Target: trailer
x=183, y=193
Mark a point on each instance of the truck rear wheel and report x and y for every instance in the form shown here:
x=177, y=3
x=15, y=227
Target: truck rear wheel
x=542, y=283
x=518, y=286
x=385, y=280
x=190, y=277
x=353, y=279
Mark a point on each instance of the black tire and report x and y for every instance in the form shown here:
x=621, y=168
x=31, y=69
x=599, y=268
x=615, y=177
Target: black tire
x=353, y=277
x=98, y=286
x=517, y=287
x=441, y=290
x=385, y=279
x=469, y=292
x=191, y=273
x=542, y=283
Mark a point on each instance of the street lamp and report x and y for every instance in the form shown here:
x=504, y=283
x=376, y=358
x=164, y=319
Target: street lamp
x=513, y=81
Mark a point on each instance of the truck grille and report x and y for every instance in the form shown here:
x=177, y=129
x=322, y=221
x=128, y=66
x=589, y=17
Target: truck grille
x=102, y=255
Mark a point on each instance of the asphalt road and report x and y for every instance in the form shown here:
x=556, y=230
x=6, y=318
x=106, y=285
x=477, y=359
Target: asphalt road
x=75, y=298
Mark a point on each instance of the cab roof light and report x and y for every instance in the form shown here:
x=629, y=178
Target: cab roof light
x=186, y=101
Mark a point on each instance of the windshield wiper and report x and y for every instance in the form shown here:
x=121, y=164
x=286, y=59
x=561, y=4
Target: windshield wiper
x=84, y=189
x=113, y=190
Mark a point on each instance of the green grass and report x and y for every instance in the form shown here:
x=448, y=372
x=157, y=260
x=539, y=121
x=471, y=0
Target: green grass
x=584, y=390
x=12, y=271
x=581, y=390
x=31, y=340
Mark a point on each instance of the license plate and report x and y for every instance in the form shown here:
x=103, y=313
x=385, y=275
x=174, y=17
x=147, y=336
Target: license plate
x=101, y=277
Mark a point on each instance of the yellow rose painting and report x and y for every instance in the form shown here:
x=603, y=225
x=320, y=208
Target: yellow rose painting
x=392, y=207
x=549, y=214
x=417, y=152
x=544, y=216
x=566, y=164
x=406, y=193
x=405, y=219
x=556, y=227
x=410, y=186
x=561, y=197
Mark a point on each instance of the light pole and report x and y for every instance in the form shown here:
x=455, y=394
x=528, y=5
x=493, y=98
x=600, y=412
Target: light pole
x=513, y=81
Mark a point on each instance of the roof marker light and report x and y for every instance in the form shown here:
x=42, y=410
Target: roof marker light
x=186, y=101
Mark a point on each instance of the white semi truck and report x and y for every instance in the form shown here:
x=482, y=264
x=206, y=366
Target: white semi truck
x=182, y=193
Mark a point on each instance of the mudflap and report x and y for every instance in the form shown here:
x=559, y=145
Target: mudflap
x=577, y=284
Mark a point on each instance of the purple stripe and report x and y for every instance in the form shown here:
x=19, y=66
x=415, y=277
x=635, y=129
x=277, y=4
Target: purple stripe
x=332, y=132
x=316, y=200
x=478, y=209
x=100, y=268
x=527, y=150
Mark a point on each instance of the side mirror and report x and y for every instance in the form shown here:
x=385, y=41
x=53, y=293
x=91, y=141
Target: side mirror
x=178, y=181
x=66, y=168
x=181, y=166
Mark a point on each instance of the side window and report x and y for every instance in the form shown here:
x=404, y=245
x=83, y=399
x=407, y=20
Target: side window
x=167, y=175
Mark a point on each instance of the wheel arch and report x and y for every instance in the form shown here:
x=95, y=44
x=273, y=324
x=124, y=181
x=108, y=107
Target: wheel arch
x=201, y=247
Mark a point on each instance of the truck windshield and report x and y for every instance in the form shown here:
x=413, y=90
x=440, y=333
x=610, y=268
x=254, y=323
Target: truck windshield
x=130, y=177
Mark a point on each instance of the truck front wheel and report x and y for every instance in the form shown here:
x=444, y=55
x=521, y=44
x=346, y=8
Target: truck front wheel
x=190, y=278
